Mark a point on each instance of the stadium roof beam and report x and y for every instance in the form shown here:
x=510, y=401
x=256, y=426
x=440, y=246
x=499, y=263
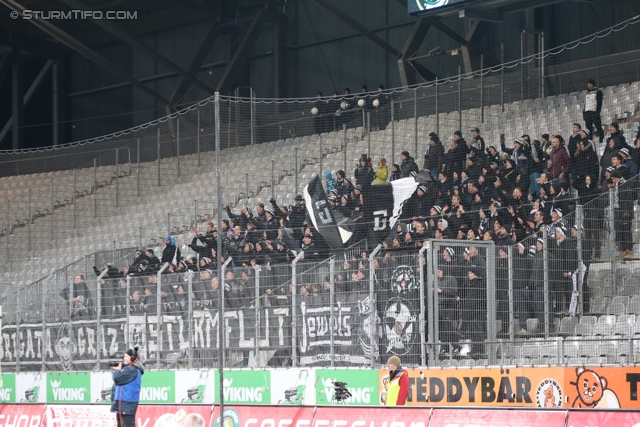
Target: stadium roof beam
x=406, y=66
x=182, y=86
x=280, y=56
x=27, y=96
x=33, y=46
x=471, y=51
x=349, y=20
x=82, y=49
x=119, y=33
x=446, y=30
x=239, y=57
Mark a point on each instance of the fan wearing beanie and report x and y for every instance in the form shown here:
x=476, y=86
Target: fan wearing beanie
x=127, y=380
x=398, y=384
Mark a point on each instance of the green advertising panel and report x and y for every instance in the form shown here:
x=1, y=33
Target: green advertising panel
x=8, y=389
x=246, y=387
x=362, y=384
x=69, y=387
x=158, y=387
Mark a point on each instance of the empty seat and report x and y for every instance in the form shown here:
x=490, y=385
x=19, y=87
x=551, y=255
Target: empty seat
x=583, y=329
x=567, y=326
x=601, y=329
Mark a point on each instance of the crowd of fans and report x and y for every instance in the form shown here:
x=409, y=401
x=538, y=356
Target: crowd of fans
x=471, y=191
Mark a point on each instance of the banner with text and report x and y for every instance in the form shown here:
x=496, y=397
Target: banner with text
x=74, y=345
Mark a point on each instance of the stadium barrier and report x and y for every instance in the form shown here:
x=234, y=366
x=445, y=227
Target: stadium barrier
x=504, y=387
x=272, y=416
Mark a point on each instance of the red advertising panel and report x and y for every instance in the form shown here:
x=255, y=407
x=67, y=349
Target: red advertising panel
x=173, y=416
x=324, y=416
x=79, y=416
x=374, y=417
x=24, y=415
x=496, y=418
x=595, y=418
x=266, y=416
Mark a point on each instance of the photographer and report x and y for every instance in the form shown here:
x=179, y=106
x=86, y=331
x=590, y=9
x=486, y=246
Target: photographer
x=127, y=379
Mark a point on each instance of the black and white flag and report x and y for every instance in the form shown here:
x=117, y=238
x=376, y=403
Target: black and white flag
x=383, y=205
x=334, y=228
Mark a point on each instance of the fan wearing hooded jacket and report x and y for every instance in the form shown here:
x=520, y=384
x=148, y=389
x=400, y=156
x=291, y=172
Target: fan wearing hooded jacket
x=170, y=253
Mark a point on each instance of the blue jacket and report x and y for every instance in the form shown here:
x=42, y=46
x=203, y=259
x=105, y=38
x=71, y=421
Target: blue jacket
x=125, y=394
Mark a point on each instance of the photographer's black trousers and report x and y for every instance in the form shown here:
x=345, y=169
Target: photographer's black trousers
x=126, y=420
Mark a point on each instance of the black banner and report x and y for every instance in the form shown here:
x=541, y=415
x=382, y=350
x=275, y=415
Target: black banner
x=75, y=345
x=352, y=323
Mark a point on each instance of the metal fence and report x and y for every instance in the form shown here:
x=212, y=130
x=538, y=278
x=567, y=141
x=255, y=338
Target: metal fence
x=159, y=180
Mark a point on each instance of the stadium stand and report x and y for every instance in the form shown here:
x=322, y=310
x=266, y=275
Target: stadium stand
x=66, y=226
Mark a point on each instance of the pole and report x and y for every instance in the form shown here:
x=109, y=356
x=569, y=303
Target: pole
x=545, y=262
x=437, y=109
x=55, y=119
x=522, y=48
x=251, y=112
x=256, y=349
x=459, y=98
x=52, y=208
x=190, y=315
x=481, y=88
x=345, y=143
x=195, y=213
x=511, y=309
x=273, y=179
x=415, y=121
x=198, y=136
x=429, y=308
x=140, y=237
x=168, y=223
x=178, y=143
x=159, y=313
x=612, y=238
x=393, y=132
x=9, y=225
x=246, y=187
x=30, y=223
x=158, y=147
x=492, y=306
x=542, y=71
x=332, y=301
x=502, y=76
x=95, y=188
x=295, y=165
x=320, y=173
x=43, y=301
x=369, y=133
x=294, y=294
x=138, y=167
x=73, y=196
x=127, y=338
x=117, y=177
x=372, y=301
x=581, y=266
x=219, y=256
x=99, y=336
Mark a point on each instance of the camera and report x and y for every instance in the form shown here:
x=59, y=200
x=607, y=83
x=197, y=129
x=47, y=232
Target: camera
x=340, y=391
x=114, y=364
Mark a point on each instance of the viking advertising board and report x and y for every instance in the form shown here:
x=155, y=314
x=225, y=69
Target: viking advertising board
x=8, y=389
x=362, y=384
